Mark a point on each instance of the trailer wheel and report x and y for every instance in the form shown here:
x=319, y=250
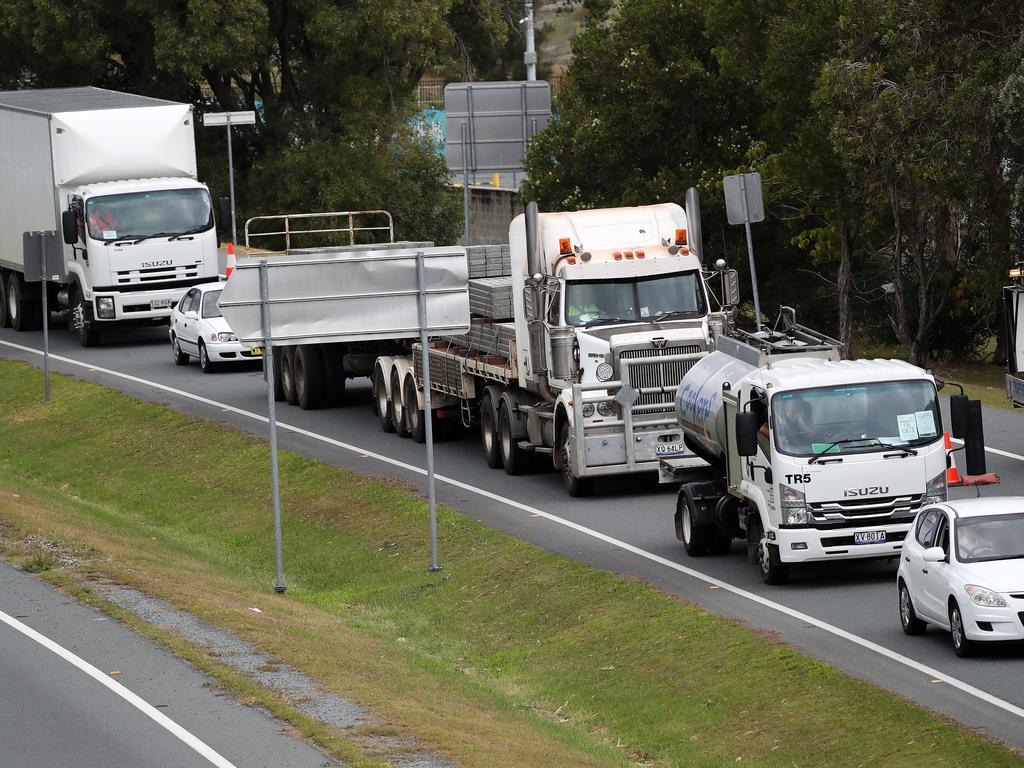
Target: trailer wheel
x=288, y=375
x=309, y=377
x=489, y=431
x=334, y=374
x=721, y=543
x=576, y=486
x=278, y=385
x=415, y=416
x=773, y=570
x=696, y=538
x=5, y=319
x=398, y=416
x=514, y=458
x=382, y=401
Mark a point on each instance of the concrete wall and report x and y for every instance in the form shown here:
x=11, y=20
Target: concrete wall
x=491, y=210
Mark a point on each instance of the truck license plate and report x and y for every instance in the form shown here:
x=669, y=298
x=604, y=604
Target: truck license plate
x=669, y=449
x=160, y=303
x=869, y=537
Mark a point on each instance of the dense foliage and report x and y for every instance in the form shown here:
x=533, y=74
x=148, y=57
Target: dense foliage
x=888, y=135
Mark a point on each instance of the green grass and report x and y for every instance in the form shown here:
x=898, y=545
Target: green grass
x=510, y=656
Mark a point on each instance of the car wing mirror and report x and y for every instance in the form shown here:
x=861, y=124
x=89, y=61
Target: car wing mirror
x=934, y=555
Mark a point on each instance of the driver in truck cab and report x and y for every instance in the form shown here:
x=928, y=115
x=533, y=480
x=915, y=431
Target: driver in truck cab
x=101, y=219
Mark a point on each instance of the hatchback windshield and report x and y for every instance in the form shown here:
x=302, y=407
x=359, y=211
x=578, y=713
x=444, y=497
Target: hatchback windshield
x=994, y=537
x=593, y=301
x=210, y=308
x=149, y=214
x=857, y=419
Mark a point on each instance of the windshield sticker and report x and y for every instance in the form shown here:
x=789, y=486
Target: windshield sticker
x=645, y=312
x=820, y=448
x=907, y=423
x=110, y=234
x=925, y=423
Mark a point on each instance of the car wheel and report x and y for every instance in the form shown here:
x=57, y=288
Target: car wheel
x=696, y=538
x=489, y=431
x=204, y=359
x=577, y=487
x=912, y=625
x=381, y=401
x=963, y=646
x=179, y=357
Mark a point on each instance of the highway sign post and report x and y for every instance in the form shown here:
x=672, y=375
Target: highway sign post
x=350, y=295
x=744, y=204
x=44, y=262
x=229, y=119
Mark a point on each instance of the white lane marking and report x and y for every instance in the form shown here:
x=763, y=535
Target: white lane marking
x=996, y=451
x=535, y=512
x=136, y=701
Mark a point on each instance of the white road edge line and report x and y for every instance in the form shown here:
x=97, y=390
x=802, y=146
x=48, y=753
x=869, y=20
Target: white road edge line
x=870, y=645
x=136, y=701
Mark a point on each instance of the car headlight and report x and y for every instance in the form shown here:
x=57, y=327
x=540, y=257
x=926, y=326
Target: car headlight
x=105, y=307
x=794, y=507
x=605, y=372
x=588, y=410
x=984, y=597
x=606, y=408
x=226, y=337
x=935, y=491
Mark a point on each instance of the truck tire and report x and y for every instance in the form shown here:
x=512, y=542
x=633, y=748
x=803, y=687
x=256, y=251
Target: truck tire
x=382, y=403
x=17, y=305
x=398, y=417
x=80, y=321
x=334, y=374
x=489, y=431
x=721, y=543
x=278, y=386
x=515, y=460
x=696, y=538
x=5, y=319
x=414, y=415
x=288, y=375
x=308, y=368
x=576, y=486
x=773, y=570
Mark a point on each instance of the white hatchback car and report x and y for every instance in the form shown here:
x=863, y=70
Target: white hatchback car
x=962, y=569
x=198, y=329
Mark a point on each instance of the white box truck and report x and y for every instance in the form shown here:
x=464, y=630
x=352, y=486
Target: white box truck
x=114, y=174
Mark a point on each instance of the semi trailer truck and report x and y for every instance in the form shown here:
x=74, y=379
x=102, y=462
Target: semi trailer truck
x=575, y=352
x=810, y=457
x=114, y=174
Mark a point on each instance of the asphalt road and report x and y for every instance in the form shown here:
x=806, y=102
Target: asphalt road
x=54, y=714
x=844, y=614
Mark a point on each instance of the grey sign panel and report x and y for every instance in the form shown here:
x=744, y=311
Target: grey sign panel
x=40, y=247
x=746, y=185
x=350, y=295
x=232, y=118
x=498, y=121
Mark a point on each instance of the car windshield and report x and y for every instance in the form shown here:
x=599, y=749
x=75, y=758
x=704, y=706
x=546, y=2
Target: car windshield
x=594, y=301
x=856, y=419
x=210, y=308
x=992, y=537
x=147, y=214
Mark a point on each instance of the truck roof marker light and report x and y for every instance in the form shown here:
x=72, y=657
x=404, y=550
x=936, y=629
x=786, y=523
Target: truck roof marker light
x=681, y=236
x=629, y=254
x=640, y=254
x=617, y=256
x=564, y=245
x=571, y=260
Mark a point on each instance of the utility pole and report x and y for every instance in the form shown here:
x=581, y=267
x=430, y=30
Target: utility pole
x=530, y=57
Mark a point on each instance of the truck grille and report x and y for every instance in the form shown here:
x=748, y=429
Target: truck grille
x=849, y=512
x=157, y=274
x=663, y=378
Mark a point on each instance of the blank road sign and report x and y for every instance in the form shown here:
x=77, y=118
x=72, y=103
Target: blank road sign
x=500, y=119
x=734, y=189
x=232, y=118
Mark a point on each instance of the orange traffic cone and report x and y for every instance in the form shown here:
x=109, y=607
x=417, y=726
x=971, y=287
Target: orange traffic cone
x=952, y=475
x=230, y=267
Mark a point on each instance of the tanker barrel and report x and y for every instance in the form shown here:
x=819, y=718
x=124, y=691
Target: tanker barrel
x=699, y=407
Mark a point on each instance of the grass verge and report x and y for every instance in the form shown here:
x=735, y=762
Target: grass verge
x=510, y=656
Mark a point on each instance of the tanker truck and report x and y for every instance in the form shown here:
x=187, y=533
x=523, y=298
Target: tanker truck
x=115, y=174
x=811, y=457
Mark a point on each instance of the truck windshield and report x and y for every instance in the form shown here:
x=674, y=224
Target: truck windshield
x=680, y=295
x=148, y=214
x=856, y=419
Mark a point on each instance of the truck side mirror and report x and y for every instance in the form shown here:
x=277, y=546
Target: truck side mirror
x=224, y=212
x=731, y=287
x=746, y=433
x=958, y=406
x=69, y=226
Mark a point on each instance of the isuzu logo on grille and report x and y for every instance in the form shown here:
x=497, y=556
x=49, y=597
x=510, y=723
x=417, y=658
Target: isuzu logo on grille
x=871, y=490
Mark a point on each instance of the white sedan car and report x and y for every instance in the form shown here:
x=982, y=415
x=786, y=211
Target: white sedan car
x=198, y=329
x=962, y=569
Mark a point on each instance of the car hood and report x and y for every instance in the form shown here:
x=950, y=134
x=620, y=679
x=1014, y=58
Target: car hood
x=997, y=575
